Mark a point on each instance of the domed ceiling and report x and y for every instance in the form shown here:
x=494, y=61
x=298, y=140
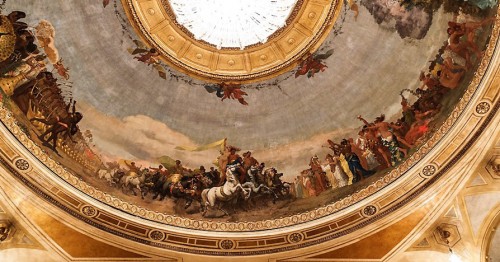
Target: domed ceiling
x=260, y=113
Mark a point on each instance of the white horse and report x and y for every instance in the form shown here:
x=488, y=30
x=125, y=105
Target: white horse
x=226, y=192
x=253, y=185
x=133, y=180
x=107, y=175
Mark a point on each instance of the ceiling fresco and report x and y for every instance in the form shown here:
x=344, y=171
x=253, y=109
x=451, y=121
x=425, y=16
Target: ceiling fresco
x=103, y=98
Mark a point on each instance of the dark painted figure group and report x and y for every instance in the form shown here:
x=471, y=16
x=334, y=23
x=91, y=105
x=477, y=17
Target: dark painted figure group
x=240, y=179
x=383, y=144
x=35, y=90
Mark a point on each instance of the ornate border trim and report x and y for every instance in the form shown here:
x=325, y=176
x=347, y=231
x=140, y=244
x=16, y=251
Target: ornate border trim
x=238, y=246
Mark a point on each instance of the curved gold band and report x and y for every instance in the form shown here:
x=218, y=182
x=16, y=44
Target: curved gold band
x=155, y=24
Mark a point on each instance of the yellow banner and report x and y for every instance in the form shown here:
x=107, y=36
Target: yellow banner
x=203, y=147
x=125, y=162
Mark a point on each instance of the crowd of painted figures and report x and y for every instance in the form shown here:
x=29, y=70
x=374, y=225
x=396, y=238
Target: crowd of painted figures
x=382, y=144
x=178, y=182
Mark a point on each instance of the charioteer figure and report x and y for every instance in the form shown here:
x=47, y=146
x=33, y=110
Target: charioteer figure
x=66, y=126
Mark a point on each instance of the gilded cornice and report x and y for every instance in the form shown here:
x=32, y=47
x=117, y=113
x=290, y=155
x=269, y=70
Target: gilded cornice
x=309, y=24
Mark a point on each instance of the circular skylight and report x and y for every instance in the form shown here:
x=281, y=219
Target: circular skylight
x=232, y=23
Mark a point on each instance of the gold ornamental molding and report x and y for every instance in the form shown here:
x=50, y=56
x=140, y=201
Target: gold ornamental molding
x=308, y=25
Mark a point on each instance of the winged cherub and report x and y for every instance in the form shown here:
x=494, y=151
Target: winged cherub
x=228, y=90
x=313, y=64
x=148, y=56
